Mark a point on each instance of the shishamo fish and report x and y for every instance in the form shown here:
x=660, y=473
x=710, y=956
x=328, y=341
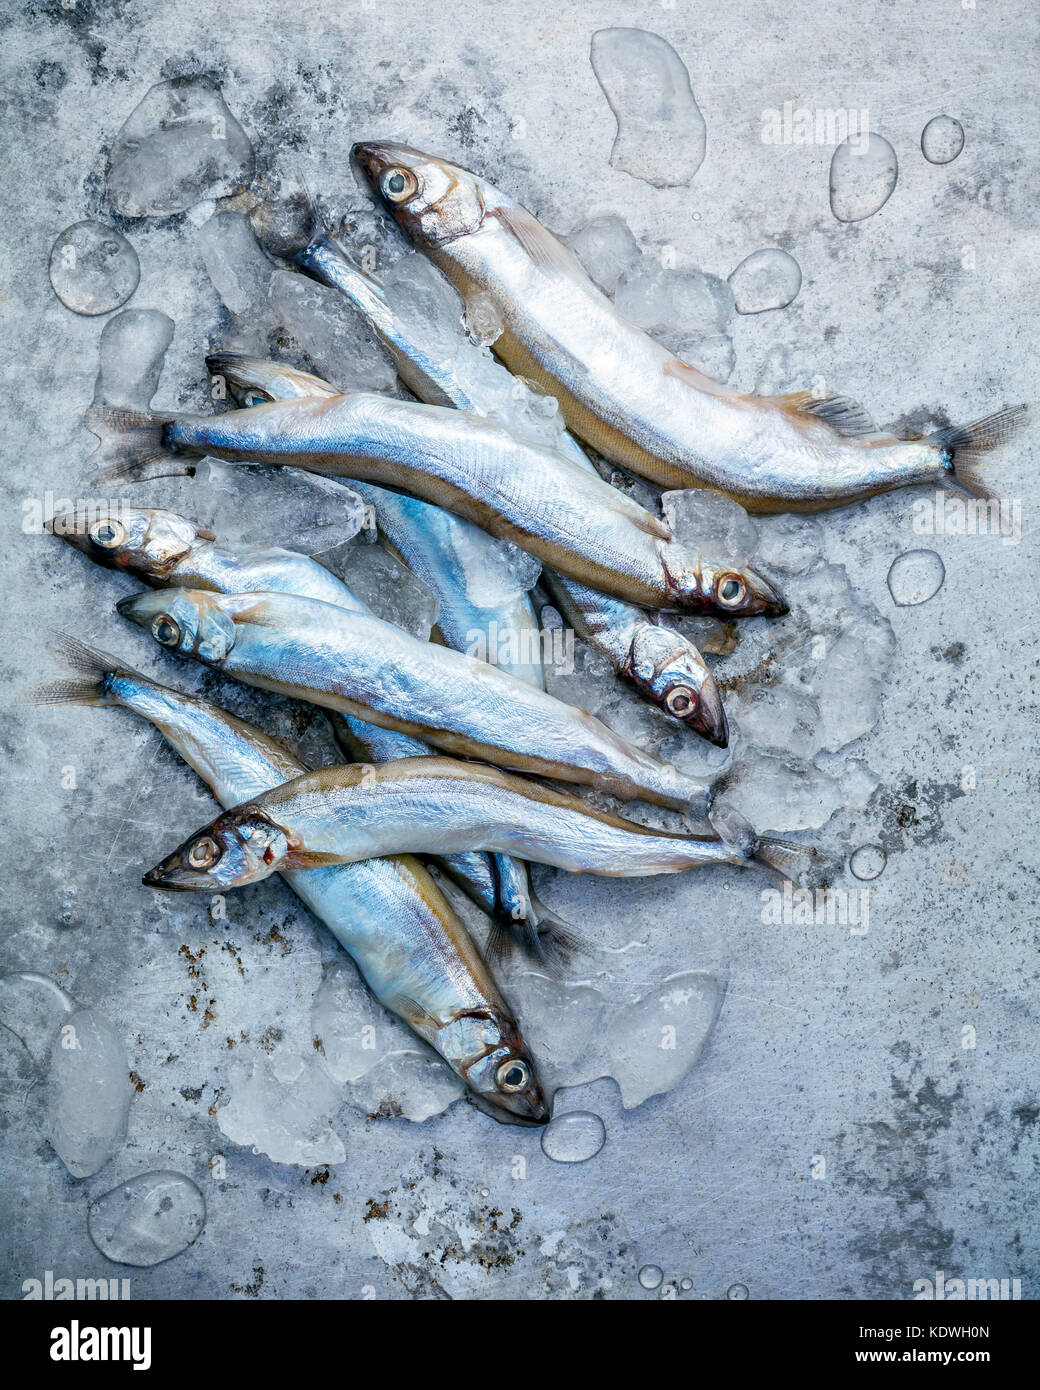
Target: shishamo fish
x=432, y=805
x=164, y=549
x=387, y=913
x=361, y=666
x=442, y=549
x=629, y=397
x=540, y=500
x=661, y=662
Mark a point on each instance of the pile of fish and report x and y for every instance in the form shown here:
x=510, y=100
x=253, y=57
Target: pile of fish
x=459, y=762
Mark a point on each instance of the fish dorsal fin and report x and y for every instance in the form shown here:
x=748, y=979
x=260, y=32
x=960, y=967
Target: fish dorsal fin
x=542, y=247
x=845, y=417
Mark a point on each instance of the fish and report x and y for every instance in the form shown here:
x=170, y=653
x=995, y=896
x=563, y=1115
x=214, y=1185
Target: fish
x=541, y=501
x=434, y=805
x=669, y=671
x=387, y=913
x=162, y=548
x=626, y=395
x=361, y=666
x=439, y=548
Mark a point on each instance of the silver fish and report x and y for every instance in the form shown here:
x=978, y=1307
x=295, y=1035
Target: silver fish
x=387, y=913
x=667, y=669
x=163, y=549
x=437, y=546
x=626, y=395
x=540, y=500
x=361, y=666
x=433, y=805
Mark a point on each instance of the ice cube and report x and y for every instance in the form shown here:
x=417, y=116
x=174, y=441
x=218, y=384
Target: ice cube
x=606, y=248
x=88, y=1092
x=340, y=346
x=654, y=1043
x=661, y=135
x=179, y=146
x=130, y=358
x=710, y=524
x=288, y=1117
x=253, y=504
x=33, y=1007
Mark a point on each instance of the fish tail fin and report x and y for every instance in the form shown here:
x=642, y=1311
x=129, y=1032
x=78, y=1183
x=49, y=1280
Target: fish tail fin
x=551, y=940
x=135, y=445
x=964, y=447
x=783, y=860
x=89, y=672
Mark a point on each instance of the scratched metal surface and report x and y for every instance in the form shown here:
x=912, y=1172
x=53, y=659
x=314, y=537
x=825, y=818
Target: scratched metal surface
x=849, y=1049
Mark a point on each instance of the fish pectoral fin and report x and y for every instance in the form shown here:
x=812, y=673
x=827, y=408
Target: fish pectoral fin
x=845, y=417
x=542, y=247
x=413, y=1012
x=309, y=859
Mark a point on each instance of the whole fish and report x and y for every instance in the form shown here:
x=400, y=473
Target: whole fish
x=364, y=667
x=629, y=397
x=540, y=500
x=664, y=665
x=163, y=549
x=440, y=548
x=387, y=913
x=433, y=805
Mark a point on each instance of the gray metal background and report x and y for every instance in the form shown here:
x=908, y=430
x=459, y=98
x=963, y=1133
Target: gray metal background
x=845, y=1047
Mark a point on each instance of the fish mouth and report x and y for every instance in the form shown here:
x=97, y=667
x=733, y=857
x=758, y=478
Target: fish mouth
x=709, y=719
x=771, y=600
x=172, y=875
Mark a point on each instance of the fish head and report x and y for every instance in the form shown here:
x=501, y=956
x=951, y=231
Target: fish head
x=241, y=846
x=700, y=584
x=432, y=201
x=670, y=671
x=500, y=1071
x=147, y=543
x=190, y=621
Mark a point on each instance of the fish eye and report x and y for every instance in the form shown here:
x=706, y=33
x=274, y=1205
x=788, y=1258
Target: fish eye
x=252, y=398
x=166, y=630
x=399, y=184
x=107, y=533
x=204, y=853
x=680, y=699
x=731, y=590
x=514, y=1075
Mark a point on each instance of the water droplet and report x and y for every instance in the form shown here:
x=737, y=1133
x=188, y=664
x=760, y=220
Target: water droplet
x=862, y=177
x=148, y=1219
x=942, y=140
x=915, y=577
x=868, y=862
x=686, y=1284
x=651, y=1276
x=93, y=268
x=485, y=1191
x=573, y=1138
x=767, y=279
x=88, y=1092
x=737, y=1292
x=661, y=135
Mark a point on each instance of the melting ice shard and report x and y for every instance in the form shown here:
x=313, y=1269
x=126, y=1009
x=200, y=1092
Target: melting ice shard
x=661, y=134
x=179, y=146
